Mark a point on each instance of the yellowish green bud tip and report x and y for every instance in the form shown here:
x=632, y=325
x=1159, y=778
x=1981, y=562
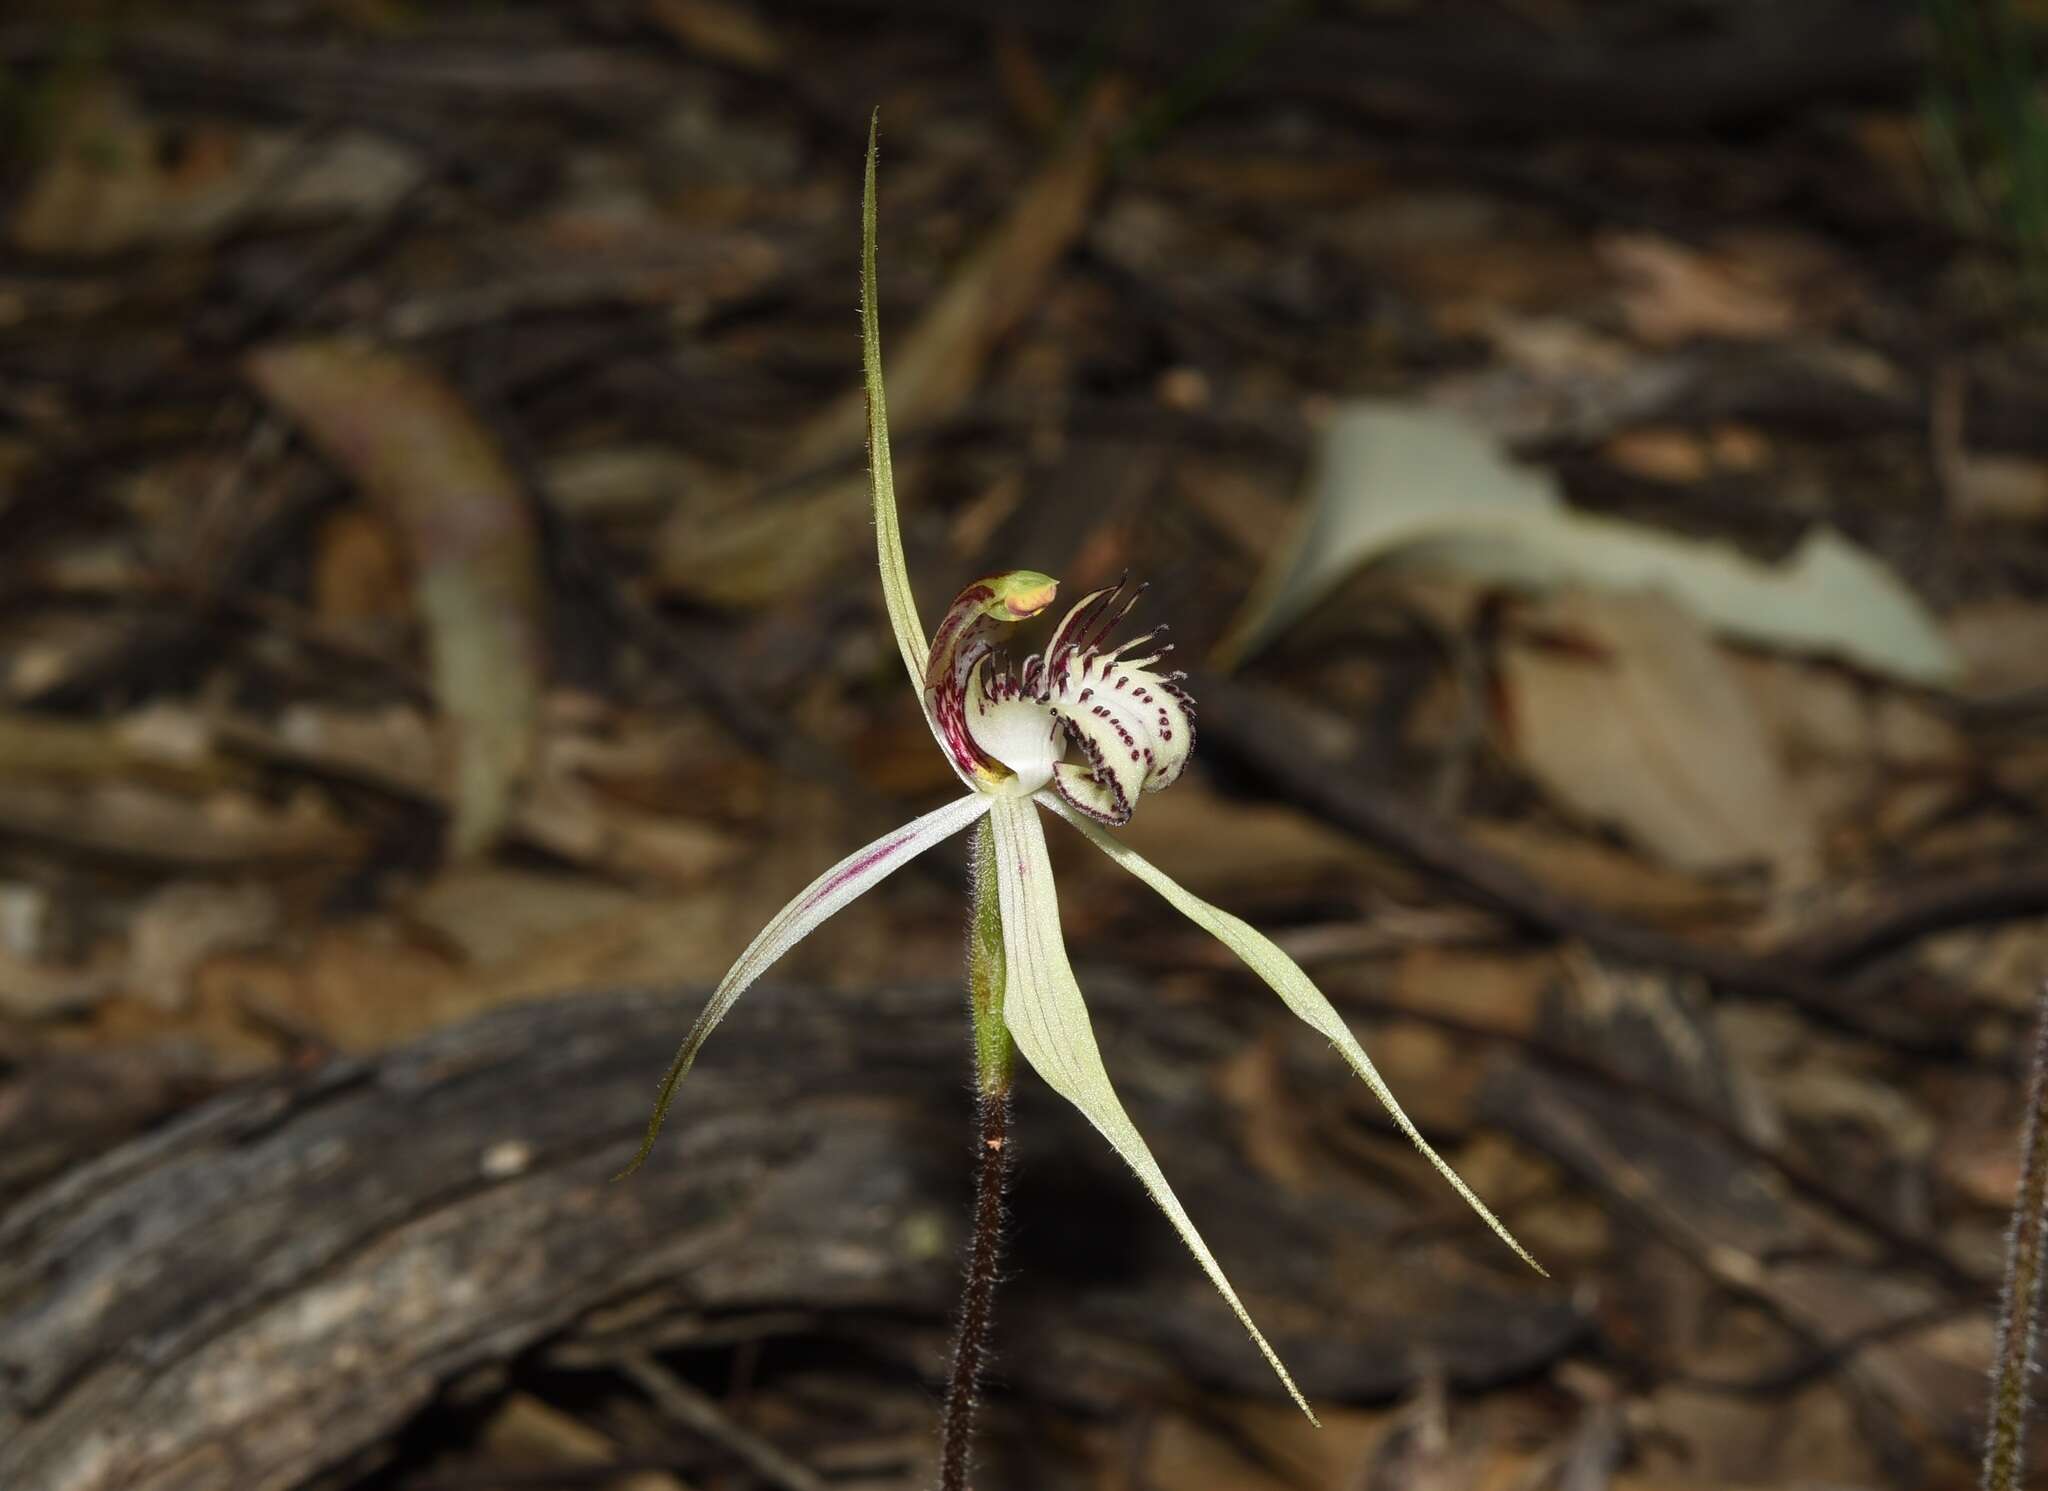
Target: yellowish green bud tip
x=1020, y=594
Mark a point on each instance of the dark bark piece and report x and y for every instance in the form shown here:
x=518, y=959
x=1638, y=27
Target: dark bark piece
x=1778, y=61
x=61, y=1106
x=267, y=1287
x=1769, y=61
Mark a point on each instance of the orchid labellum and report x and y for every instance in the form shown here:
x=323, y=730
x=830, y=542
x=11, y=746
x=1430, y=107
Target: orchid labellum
x=1081, y=730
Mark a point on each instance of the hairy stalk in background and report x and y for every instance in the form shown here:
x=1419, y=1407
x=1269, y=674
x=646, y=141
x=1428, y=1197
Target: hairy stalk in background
x=2013, y=1362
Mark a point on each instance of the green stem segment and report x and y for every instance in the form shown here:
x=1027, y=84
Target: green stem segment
x=993, y=1052
x=2005, y=1452
x=992, y=1065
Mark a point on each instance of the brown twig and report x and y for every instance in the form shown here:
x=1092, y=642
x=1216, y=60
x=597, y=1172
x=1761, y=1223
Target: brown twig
x=703, y=1417
x=1939, y=902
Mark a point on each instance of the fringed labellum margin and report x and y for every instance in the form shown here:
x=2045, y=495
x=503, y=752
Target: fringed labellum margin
x=1132, y=726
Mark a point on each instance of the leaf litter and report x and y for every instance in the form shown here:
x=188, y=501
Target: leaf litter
x=249, y=736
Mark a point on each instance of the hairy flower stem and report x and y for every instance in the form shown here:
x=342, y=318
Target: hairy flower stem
x=977, y=1300
x=2005, y=1448
x=992, y=1062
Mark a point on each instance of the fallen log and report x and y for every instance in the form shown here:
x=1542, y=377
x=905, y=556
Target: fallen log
x=264, y=1289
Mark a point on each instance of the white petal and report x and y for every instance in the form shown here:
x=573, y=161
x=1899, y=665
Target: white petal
x=1014, y=729
x=1047, y=1017
x=853, y=877
x=1293, y=986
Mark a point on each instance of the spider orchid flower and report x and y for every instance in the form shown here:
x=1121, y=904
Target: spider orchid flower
x=1080, y=730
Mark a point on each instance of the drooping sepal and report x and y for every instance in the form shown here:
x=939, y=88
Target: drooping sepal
x=1296, y=990
x=853, y=877
x=1043, y=1007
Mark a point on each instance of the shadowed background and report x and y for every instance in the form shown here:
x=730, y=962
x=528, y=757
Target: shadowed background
x=1591, y=458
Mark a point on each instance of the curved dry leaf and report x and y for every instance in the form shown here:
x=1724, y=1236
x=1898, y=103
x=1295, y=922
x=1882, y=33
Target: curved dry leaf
x=418, y=451
x=1643, y=723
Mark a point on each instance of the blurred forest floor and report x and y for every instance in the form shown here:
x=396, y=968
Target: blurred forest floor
x=435, y=574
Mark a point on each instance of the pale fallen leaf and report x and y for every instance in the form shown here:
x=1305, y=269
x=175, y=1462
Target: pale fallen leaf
x=418, y=451
x=1643, y=724
x=1428, y=486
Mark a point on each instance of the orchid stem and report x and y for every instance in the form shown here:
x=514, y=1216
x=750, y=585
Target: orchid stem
x=992, y=1064
x=2005, y=1450
x=977, y=1300
x=985, y=972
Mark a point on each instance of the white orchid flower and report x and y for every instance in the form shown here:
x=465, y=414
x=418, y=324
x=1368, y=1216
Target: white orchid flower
x=1080, y=730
